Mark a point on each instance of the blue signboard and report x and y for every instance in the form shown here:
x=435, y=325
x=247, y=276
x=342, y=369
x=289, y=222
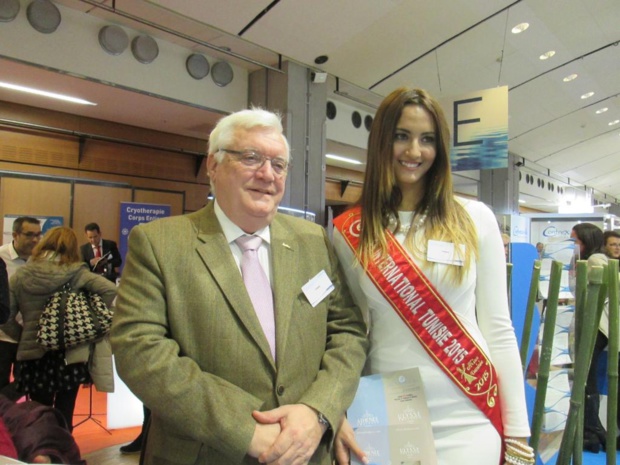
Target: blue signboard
x=132, y=214
x=479, y=129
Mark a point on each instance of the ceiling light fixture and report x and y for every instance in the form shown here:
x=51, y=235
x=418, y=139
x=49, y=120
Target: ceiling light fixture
x=43, y=93
x=519, y=28
x=343, y=159
x=602, y=110
x=613, y=123
x=547, y=55
x=570, y=77
x=587, y=95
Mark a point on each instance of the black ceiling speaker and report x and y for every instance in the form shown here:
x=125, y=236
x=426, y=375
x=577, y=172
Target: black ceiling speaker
x=197, y=66
x=8, y=10
x=222, y=73
x=144, y=49
x=43, y=16
x=331, y=110
x=113, y=39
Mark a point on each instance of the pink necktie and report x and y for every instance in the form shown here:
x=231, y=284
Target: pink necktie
x=258, y=287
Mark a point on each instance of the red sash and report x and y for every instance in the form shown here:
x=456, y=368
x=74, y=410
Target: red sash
x=430, y=319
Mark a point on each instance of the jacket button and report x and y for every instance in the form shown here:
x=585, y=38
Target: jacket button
x=280, y=390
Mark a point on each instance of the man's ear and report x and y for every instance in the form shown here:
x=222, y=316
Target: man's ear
x=211, y=164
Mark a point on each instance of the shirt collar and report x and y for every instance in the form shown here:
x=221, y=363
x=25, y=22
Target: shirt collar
x=13, y=252
x=232, y=232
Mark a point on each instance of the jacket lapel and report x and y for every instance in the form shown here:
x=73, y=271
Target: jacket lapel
x=215, y=253
x=285, y=260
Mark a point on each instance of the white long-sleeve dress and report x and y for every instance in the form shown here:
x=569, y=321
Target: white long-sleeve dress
x=462, y=433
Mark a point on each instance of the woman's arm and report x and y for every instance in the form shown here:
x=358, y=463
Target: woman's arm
x=345, y=443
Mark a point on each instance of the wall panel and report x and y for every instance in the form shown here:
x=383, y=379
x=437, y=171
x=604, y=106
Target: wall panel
x=137, y=161
x=38, y=148
x=30, y=197
x=101, y=205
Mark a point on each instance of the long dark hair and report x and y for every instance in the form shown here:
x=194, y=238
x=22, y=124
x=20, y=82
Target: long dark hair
x=381, y=196
x=591, y=237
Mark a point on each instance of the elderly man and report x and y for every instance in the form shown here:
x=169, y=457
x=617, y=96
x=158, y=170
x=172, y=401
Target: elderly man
x=245, y=354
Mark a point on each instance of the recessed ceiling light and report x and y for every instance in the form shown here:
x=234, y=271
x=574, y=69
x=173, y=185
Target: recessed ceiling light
x=602, y=110
x=43, y=93
x=613, y=123
x=587, y=95
x=521, y=201
x=519, y=28
x=547, y=55
x=570, y=77
x=343, y=159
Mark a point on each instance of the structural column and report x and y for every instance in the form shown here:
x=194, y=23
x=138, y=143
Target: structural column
x=499, y=188
x=302, y=104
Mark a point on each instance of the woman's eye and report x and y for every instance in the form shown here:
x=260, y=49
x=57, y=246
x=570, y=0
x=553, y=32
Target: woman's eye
x=399, y=136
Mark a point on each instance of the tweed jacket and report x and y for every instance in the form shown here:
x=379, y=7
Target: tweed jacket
x=188, y=343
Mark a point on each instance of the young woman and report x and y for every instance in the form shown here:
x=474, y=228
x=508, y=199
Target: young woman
x=450, y=250
x=589, y=239
x=54, y=377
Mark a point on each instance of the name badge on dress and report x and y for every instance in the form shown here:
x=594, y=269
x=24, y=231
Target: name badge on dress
x=318, y=288
x=444, y=252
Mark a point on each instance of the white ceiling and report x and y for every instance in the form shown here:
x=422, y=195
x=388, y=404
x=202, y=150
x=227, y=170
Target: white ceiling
x=449, y=47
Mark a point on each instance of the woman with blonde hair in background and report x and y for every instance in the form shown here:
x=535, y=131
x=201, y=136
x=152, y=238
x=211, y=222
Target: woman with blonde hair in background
x=450, y=250
x=54, y=377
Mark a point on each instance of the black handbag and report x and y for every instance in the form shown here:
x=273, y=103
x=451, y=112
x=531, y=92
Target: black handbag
x=73, y=317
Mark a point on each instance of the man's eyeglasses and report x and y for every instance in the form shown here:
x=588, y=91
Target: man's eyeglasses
x=256, y=161
x=613, y=245
x=31, y=234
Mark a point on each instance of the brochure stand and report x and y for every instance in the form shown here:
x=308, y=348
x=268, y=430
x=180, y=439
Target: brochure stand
x=89, y=415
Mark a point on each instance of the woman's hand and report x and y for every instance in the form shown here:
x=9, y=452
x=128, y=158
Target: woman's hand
x=345, y=443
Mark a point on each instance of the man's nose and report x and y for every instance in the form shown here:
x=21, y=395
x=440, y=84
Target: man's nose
x=266, y=170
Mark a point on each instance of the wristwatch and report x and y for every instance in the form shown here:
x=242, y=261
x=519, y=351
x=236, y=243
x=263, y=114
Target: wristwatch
x=323, y=420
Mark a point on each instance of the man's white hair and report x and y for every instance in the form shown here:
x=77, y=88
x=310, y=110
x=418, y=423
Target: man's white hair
x=223, y=134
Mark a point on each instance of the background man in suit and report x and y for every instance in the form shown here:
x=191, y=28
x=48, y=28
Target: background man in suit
x=105, y=261
x=188, y=341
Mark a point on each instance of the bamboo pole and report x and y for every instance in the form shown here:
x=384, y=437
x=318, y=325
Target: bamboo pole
x=581, y=270
x=580, y=293
x=529, y=314
x=612, y=362
x=589, y=324
x=545, y=352
x=579, y=315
